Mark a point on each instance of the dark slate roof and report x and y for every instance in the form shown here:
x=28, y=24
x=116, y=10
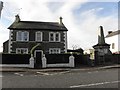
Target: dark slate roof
x=113, y=33
x=6, y=42
x=105, y=44
x=77, y=50
x=33, y=25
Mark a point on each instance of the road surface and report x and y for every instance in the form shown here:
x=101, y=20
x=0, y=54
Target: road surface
x=106, y=78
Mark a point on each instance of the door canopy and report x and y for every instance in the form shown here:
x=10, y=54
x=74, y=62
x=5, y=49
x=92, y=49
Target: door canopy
x=34, y=48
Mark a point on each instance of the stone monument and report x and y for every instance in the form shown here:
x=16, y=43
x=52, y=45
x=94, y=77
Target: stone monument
x=102, y=48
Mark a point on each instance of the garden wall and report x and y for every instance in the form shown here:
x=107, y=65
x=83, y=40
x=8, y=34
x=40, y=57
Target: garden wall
x=15, y=58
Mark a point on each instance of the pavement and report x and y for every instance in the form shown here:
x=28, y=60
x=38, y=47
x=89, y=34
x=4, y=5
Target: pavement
x=81, y=68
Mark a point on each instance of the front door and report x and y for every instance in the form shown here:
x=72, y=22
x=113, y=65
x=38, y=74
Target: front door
x=38, y=58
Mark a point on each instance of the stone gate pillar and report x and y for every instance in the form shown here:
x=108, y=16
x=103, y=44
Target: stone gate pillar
x=31, y=61
x=71, y=61
x=44, y=61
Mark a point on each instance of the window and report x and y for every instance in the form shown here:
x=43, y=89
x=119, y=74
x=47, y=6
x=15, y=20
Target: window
x=54, y=50
x=25, y=36
x=22, y=50
x=19, y=36
x=54, y=37
x=22, y=36
x=113, y=45
x=51, y=36
x=38, y=36
x=57, y=37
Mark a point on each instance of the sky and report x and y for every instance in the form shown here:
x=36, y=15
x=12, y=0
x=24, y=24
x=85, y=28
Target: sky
x=81, y=17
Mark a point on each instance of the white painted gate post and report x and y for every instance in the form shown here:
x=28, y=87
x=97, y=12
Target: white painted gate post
x=31, y=61
x=44, y=61
x=71, y=61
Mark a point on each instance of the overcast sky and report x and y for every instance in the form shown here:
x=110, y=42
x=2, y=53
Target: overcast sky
x=81, y=17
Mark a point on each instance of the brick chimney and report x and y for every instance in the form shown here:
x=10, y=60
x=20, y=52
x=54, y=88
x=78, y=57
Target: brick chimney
x=17, y=18
x=61, y=20
x=109, y=32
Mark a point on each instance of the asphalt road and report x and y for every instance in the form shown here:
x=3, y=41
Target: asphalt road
x=106, y=78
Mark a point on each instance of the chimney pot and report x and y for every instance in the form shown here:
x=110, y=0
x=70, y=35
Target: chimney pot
x=17, y=18
x=61, y=20
x=109, y=32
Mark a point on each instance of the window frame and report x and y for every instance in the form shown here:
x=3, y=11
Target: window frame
x=50, y=36
x=54, y=36
x=58, y=37
x=21, y=50
x=19, y=38
x=22, y=37
x=54, y=50
x=41, y=37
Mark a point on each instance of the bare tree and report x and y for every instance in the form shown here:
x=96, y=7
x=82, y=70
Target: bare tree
x=74, y=47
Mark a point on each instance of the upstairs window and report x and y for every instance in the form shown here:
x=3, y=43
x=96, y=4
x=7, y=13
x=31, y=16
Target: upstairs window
x=54, y=37
x=38, y=36
x=22, y=36
x=25, y=36
x=51, y=36
x=57, y=37
x=19, y=36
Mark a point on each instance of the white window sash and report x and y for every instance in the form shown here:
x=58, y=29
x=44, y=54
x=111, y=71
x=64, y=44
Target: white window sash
x=19, y=50
x=22, y=37
x=50, y=37
x=54, y=37
x=25, y=36
x=54, y=50
x=57, y=37
x=36, y=36
x=19, y=36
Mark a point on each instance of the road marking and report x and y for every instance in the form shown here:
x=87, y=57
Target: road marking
x=18, y=74
x=43, y=73
x=49, y=73
x=93, y=72
x=1, y=76
x=96, y=71
x=64, y=72
x=21, y=74
x=89, y=72
x=93, y=84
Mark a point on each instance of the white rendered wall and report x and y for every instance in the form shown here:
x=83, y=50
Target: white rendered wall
x=113, y=39
x=119, y=42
